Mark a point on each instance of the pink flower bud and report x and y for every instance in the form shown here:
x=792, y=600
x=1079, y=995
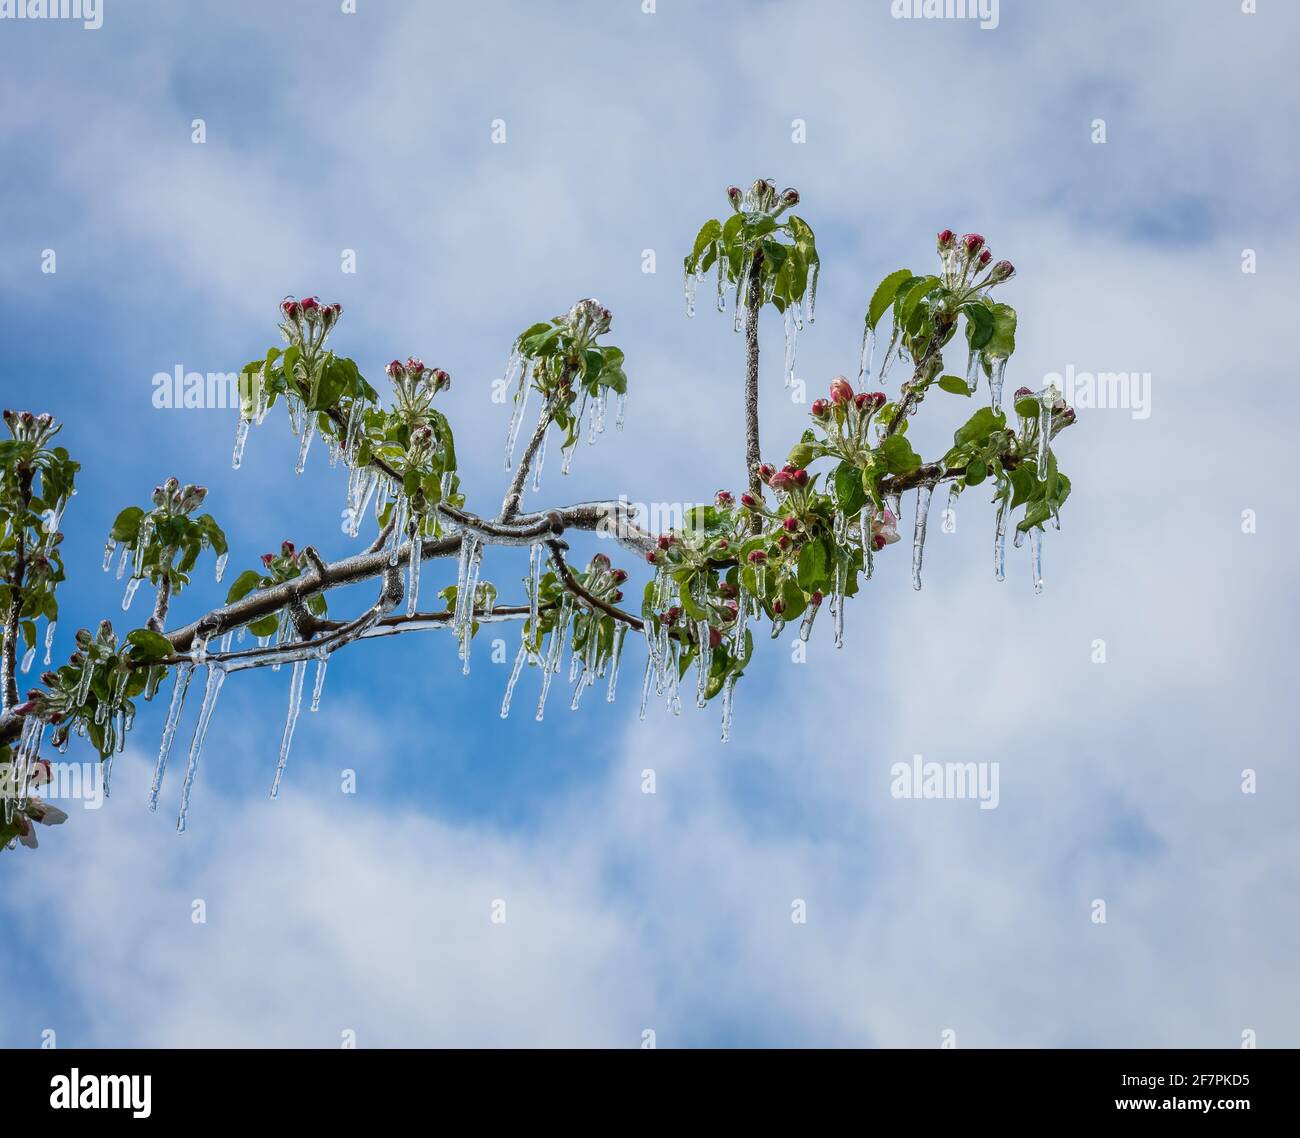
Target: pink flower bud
x=791, y=524
x=781, y=481
x=985, y=257
x=715, y=637
x=291, y=309
x=946, y=238
x=972, y=243
x=816, y=597
x=414, y=366
x=801, y=477
x=766, y=470
x=820, y=408
x=1021, y=392
x=310, y=304
x=757, y=556
x=650, y=556
x=748, y=501
x=723, y=498
x=841, y=390
x=394, y=369
x=1002, y=271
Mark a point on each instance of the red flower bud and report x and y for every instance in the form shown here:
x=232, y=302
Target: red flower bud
x=1002, y=271
x=972, y=243
x=816, y=597
x=946, y=238
x=766, y=470
x=394, y=369
x=819, y=408
x=267, y=558
x=666, y=540
x=735, y=196
x=723, y=498
x=650, y=556
x=801, y=477
x=723, y=544
x=757, y=556
x=618, y=576
x=778, y=606
x=791, y=524
x=748, y=501
x=781, y=481
x=1021, y=392
x=878, y=541
x=414, y=366
x=618, y=595
x=290, y=309
x=841, y=390
x=309, y=303
x=286, y=548
x=783, y=542
x=715, y=637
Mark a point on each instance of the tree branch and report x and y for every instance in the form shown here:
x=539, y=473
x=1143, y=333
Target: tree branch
x=588, y=598
x=514, y=495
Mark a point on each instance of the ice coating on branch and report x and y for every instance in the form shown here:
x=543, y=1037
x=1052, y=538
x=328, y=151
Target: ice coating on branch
x=290, y=722
x=1036, y=557
x=923, y=493
x=173, y=717
x=515, y=671
x=867, y=353
x=211, y=689
x=318, y=685
x=1000, y=542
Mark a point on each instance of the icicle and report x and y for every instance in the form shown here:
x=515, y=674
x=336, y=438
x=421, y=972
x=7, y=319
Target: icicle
x=520, y=657
x=1036, y=557
x=241, y=437
x=399, y=521
x=791, y=343
x=998, y=371
x=973, y=371
x=867, y=540
x=554, y=649
x=109, y=547
x=805, y=625
x=740, y=287
x=413, y=576
x=868, y=351
x=692, y=284
x=221, y=566
x=1045, y=400
x=890, y=353
x=131, y=586
x=290, y=722
x=728, y=698
x=1000, y=542
x=522, y=391
x=837, y=603
x=224, y=646
x=49, y=640
x=535, y=558
x=620, y=407
x=304, y=444
x=702, y=662
x=211, y=689
x=121, y=565
x=29, y=658
x=950, y=510
x=318, y=684
x=83, y=685
x=721, y=302
x=649, y=670
x=615, y=655
x=814, y=275
x=923, y=493
x=539, y=461
x=567, y=451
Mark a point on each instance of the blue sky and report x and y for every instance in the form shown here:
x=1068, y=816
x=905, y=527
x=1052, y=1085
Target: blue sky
x=670, y=912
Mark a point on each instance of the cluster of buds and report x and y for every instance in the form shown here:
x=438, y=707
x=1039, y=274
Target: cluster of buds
x=416, y=385
x=28, y=428
x=586, y=320
x=965, y=257
x=1029, y=405
x=845, y=407
x=171, y=498
x=285, y=565
x=307, y=321
x=787, y=480
x=762, y=197
x=602, y=580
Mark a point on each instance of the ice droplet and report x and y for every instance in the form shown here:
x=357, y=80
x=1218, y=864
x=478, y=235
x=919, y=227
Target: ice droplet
x=211, y=689
x=290, y=722
x=923, y=493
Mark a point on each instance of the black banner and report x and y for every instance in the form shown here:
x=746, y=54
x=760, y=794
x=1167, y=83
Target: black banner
x=336, y=1087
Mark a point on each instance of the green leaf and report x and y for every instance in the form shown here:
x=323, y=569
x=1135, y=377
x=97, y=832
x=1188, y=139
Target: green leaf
x=954, y=384
x=884, y=295
x=979, y=426
x=267, y=626
x=244, y=584
x=849, y=494
x=1003, y=340
x=913, y=297
x=979, y=324
x=812, y=564
x=149, y=645
x=896, y=455
x=126, y=527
